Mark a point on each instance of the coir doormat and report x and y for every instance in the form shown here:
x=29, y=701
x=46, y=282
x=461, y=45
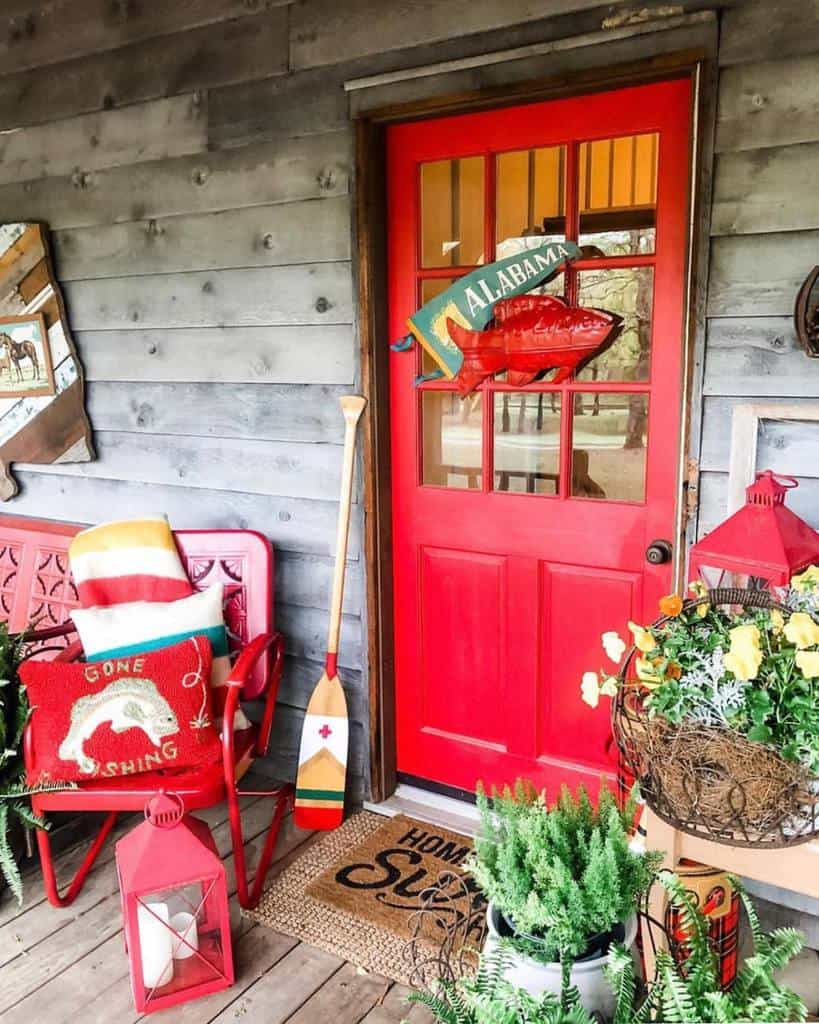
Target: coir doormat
x=356, y=892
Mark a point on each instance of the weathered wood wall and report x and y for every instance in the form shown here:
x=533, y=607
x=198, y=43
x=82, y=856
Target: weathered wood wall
x=765, y=238
x=193, y=161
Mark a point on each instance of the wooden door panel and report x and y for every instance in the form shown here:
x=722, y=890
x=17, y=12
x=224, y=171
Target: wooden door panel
x=463, y=614
x=578, y=604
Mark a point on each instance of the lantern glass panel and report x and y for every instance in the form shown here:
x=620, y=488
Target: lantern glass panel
x=714, y=577
x=180, y=938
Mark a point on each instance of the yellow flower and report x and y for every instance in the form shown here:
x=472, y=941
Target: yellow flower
x=647, y=674
x=744, y=657
x=777, y=620
x=802, y=631
x=614, y=646
x=702, y=610
x=698, y=588
x=643, y=640
x=806, y=580
x=671, y=605
x=590, y=689
x=808, y=662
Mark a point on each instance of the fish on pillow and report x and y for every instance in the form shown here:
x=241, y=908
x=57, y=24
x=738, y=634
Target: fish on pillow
x=122, y=716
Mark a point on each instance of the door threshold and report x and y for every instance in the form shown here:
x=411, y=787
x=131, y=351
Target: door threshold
x=432, y=808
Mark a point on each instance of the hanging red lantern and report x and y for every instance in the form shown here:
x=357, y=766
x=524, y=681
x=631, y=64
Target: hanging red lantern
x=174, y=895
x=762, y=545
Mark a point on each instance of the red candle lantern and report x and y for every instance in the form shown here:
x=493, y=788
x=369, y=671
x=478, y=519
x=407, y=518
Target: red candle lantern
x=175, y=907
x=761, y=545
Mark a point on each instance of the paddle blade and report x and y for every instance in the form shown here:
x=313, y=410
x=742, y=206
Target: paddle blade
x=321, y=780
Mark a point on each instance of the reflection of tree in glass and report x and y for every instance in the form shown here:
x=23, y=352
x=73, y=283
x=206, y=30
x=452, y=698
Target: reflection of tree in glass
x=627, y=292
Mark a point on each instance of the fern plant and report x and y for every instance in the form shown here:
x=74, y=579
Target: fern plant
x=560, y=875
x=692, y=994
x=14, y=795
x=490, y=999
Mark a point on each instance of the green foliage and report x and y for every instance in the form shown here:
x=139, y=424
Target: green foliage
x=688, y=995
x=560, y=874
x=489, y=999
x=14, y=714
x=692, y=994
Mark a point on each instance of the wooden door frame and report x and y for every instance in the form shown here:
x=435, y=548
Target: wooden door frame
x=370, y=272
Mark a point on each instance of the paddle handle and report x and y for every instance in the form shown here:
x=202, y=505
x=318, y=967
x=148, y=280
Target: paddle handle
x=352, y=407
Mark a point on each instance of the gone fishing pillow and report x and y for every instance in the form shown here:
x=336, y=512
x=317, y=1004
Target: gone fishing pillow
x=130, y=714
x=142, y=626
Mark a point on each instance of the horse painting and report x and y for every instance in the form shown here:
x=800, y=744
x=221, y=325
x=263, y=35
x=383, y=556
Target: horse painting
x=16, y=352
x=42, y=405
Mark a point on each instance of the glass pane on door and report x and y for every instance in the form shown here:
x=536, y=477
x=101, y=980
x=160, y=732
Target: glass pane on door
x=451, y=449
x=630, y=293
x=609, y=446
x=530, y=199
x=452, y=202
x=618, y=194
x=527, y=442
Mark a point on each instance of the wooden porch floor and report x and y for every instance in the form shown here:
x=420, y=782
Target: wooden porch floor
x=60, y=966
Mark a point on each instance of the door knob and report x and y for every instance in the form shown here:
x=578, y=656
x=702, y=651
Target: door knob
x=659, y=552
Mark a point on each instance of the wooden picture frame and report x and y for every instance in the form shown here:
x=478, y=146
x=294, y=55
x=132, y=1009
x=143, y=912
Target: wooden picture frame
x=26, y=369
x=745, y=422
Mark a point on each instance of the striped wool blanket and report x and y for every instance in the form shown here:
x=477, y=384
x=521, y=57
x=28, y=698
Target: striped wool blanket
x=122, y=562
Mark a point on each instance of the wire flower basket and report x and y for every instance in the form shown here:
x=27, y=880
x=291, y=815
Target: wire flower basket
x=712, y=781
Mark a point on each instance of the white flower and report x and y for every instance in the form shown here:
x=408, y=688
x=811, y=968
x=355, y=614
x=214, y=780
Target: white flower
x=614, y=646
x=590, y=689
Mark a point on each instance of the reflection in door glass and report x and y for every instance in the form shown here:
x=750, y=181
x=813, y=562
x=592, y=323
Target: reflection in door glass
x=618, y=194
x=527, y=442
x=630, y=292
x=452, y=201
x=530, y=199
x=609, y=446
x=452, y=431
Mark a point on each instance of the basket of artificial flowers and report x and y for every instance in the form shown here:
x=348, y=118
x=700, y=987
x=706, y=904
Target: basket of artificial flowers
x=716, y=712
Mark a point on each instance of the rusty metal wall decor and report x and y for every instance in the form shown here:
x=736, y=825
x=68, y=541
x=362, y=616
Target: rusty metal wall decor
x=806, y=314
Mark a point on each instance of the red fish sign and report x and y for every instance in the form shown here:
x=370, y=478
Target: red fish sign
x=532, y=334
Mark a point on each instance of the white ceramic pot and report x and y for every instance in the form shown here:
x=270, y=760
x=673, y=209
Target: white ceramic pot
x=537, y=978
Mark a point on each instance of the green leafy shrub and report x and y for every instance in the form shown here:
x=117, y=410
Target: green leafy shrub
x=15, y=807
x=563, y=874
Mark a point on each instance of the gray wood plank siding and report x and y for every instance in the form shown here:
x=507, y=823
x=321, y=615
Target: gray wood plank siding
x=765, y=238
x=194, y=163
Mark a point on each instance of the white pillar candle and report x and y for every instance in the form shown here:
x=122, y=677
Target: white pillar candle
x=155, y=944
x=184, y=924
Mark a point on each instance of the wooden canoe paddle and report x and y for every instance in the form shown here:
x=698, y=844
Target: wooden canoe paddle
x=322, y=774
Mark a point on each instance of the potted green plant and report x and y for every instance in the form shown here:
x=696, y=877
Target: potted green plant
x=16, y=814
x=563, y=884
x=687, y=994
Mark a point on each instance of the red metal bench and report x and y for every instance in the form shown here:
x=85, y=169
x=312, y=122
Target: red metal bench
x=36, y=587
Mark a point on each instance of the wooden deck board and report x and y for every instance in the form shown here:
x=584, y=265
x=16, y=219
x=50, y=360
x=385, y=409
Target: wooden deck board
x=61, y=966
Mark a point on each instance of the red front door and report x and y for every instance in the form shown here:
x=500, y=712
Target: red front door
x=521, y=516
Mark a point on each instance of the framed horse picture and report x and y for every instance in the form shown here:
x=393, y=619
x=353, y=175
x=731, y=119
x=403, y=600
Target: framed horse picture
x=25, y=357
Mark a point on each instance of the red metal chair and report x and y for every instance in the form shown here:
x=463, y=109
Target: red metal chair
x=35, y=585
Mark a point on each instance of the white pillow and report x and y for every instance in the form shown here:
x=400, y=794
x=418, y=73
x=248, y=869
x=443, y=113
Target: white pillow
x=121, y=630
